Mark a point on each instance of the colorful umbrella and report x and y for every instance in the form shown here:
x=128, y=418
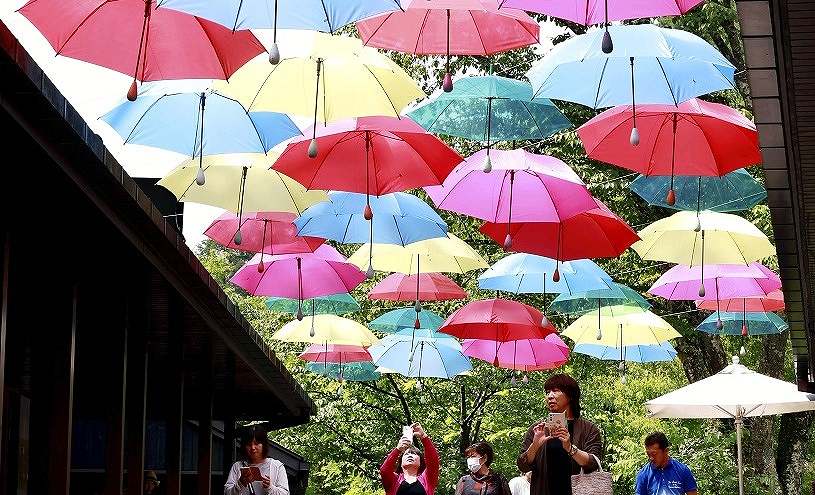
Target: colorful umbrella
x=774, y=301
x=692, y=138
x=620, y=326
x=590, y=300
x=451, y=27
x=522, y=355
x=490, y=108
x=133, y=37
x=735, y=191
x=406, y=318
x=355, y=372
x=527, y=274
x=267, y=232
x=326, y=329
x=681, y=282
x=631, y=353
x=744, y=324
x=334, y=304
x=419, y=357
x=428, y=333
x=335, y=353
x=240, y=183
x=397, y=218
x=431, y=287
x=302, y=276
x=498, y=320
x=441, y=254
x=371, y=155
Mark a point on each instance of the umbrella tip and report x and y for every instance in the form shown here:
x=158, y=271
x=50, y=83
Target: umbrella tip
x=508, y=242
x=608, y=45
x=742, y=352
x=487, y=164
x=370, y=271
x=238, y=238
x=274, y=54
x=744, y=330
x=132, y=93
x=599, y=335
x=544, y=321
x=719, y=324
x=261, y=267
x=634, y=139
x=556, y=275
x=525, y=378
x=200, y=178
x=447, y=84
x=368, y=213
x=312, y=148
x=670, y=198
x=702, y=291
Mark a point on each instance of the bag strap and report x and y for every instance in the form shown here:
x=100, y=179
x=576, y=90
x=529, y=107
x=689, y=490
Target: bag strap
x=599, y=465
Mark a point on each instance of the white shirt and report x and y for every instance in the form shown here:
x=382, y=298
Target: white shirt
x=271, y=468
x=519, y=485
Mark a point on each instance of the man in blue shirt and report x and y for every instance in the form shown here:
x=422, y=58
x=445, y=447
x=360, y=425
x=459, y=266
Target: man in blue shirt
x=663, y=475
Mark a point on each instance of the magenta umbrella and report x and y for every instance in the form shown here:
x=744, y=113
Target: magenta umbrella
x=681, y=283
x=522, y=355
x=520, y=187
x=300, y=276
x=263, y=232
x=450, y=27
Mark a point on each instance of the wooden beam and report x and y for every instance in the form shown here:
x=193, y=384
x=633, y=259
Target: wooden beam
x=3, y=333
x=137, y=362
x=115, y=439
x=175, y=392
x=205, y=422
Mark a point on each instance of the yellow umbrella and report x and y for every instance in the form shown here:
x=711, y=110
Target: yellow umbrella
x=442, y=254
x=714, y=238
x=326, y=329
x=620, y=326
x=260, y=189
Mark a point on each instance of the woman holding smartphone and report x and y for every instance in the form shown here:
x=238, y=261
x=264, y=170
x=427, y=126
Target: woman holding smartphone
x=257, y=474
x=408, y=471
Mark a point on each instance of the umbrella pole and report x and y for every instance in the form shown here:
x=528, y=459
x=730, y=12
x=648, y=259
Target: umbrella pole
x=508, y=238
x=300, y=291
x=200, y=178
x=702, y=270
x=556, y=274
x=238, y=236
x=544, y=320
x=368, y=213
x=418, y=305
x=739, y=422
x=599, y=320
x=447, y=84
x=274, y=51
x=719, y=324
x=262, y=246
x=670, y=199
x=634, y=139
x=607, y=45
x=370, y=271
x=488, y=162
x=132, y=92
x=312, y=146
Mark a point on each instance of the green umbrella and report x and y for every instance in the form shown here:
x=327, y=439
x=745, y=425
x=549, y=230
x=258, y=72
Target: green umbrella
x=402, y=318
x=735, y=191
x=336, y=304
x=355, y=372
x=736, y=323
x=583, y=302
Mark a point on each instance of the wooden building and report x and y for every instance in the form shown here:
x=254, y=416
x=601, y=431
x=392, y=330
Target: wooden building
x=118, y=351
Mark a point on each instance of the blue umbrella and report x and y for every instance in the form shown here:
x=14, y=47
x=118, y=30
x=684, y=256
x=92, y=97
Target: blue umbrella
x=735, y=191
x=583, y=302
x=405, y=318
x=419, y=357
x=532, y=274
x=428, y=333
x=398, y=218
x=743, y=323
x=657, y=65
x=630, y=353
x=355, y=372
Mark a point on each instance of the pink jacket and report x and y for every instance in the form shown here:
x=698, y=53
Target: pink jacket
x=429, y=478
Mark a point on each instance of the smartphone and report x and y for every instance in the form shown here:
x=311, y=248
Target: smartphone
x=556, y=418
x=253, y=472
x=407, y=431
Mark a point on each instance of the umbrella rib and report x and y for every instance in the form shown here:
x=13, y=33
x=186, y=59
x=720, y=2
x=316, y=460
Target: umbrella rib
x=257, y=131
x=480, y=39
x=348, y=226
x=79, y=26
x=438, y=116
x=540, y=129
x=670, y=89
x=395, y=111
x=260, y=87
x=144, y=114
x=398, y=232
x=384, y=20
x=291, y=194
x=421, y=30
x=600, y=83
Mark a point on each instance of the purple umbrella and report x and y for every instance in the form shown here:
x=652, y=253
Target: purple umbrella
x=681, y=283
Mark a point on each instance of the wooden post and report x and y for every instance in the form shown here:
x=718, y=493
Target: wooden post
x=175, y=392
x=115, y=440
x=137, y=362
x=229, y=416
x=205, y=423
x=3, y=333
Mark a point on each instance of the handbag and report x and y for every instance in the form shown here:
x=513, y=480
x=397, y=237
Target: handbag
x=596, y=483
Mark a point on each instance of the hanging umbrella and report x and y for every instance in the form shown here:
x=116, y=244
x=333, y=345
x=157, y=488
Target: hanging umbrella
x=774, y=301
x=397, y=218
x=431, y=287
x=450, y=27
x=522, y=355
x=490, y=108
x=265, y=232
x=406, y=318
x=631, y=353
x=693, y=138
x=335, y=353
x=735, y=191
x=240, y=183
x=427, y=333
x=590, y=12
x=596, y=233
x=743, y=323
x=441, y=254
x=620, y=326
x=334, y=304
x=355, y=372
x=590, y=300
x=735, y=392
x=419, y=357
x=371, y=155
x=497, y=320
x=326, y=329
x=681, y=283
x=133, y=37
x=527, y=274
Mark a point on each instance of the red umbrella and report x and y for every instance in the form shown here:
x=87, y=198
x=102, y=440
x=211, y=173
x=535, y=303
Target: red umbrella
x=371, y=155
x=774, y=301
x=133, y=37
x=693, y=138
x=432, y=287
x=335, y=354
x=499, y=320
x=264, y=232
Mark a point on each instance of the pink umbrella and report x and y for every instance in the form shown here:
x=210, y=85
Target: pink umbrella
x=335, y=354
x=681, y=283
x=450, y=27
x=264, y=232
x=774, y=301
x=325, y=272
x=523, y=355
x=432, y=287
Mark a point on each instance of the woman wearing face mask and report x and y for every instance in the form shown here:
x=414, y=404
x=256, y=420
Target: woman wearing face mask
x=272, y=479
x=481, y=480
x=406, y=471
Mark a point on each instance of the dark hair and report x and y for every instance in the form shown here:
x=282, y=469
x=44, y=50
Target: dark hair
x=411, y=450
x=657, y=438
x=482, y=448
x=256, y=435
x=568, y=386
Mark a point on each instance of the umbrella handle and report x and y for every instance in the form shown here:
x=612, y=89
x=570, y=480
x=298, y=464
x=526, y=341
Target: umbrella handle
x=200, y=178
x=634, y=139
x=132, y=93
x=312, y=147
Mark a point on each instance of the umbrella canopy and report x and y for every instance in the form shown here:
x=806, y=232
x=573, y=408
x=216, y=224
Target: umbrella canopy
x=590, y=300
x=335, y=353
x=115, y=35
x=735, y=191
x=355, y=372
x=744, y=324
x=588, y=12
x=631, y=353
x=322, y=329
x=431, y=287
x=427, y=333
x=405, y=318
x=485, y=108
x=334, y=304
x=371, y=155
x=301, y=276
x=497, y=320
x=265, y=232
x=620, y=326
x=774, y=301
x=667, y=66
x=692, y=138
x=442, y=254
x=522, y=355
x=681, y=283
x=419, y=357
x=527, y=274
x=729, y=239
x=398, y=218
x=239, y=183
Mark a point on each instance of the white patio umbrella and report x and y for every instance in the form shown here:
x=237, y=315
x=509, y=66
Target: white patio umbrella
x=735, y=392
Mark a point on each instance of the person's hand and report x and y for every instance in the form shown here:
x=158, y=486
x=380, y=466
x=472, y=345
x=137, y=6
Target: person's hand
x=540, y=437
x=561, y=433
x=404, y=443
x=418, y=430
x=246, y=477
x=266, y=481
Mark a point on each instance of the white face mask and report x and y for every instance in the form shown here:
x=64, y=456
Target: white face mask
x=473, y=464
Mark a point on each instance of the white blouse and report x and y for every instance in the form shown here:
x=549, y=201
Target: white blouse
x=271, y=468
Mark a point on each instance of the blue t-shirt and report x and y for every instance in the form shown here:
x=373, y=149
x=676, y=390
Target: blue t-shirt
x=674, y=479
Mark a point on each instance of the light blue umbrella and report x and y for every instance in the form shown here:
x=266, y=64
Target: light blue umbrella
x=532, y=274
x=735, y=191
x=630, y=353
x=419, y=357
x=428, y=333
x=336, y=304
x=405, y=318
x=398, y=218
x=737, y=323
x=583, y=302
x=663, y=65
x=355, y=372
